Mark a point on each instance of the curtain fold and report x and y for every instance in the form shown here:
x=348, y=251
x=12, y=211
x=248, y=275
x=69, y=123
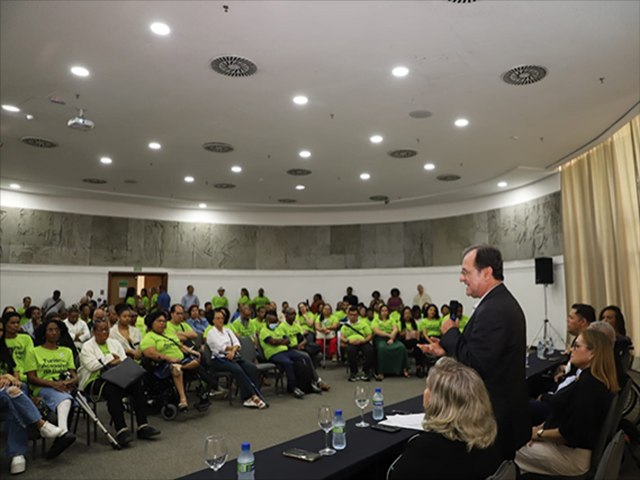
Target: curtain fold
x=601, y=226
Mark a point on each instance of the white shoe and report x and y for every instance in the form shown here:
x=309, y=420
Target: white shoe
x=18, y=464
x=49, y=430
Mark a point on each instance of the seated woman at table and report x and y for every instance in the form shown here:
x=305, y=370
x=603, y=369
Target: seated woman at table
x=392, y=355
x=460, y=429
x=102, y=352
x=225, y=357
x=562, y=445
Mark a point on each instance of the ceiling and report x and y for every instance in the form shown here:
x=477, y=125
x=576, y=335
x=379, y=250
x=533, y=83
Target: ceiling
x=143, y=87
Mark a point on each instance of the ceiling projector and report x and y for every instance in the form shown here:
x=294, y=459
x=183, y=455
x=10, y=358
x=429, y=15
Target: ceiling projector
x=80, y=122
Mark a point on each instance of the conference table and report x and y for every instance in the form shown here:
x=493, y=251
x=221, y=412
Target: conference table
x=537, y=366
x=368, y=454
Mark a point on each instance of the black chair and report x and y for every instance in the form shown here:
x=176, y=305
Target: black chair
x=611, y=459
x=506, y=471
x=206, y=363
x=249, y=354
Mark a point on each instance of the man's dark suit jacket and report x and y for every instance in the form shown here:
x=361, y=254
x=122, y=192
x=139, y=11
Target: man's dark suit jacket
x=494, y=344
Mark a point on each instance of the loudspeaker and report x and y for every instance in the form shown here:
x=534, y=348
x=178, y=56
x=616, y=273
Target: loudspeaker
x=544, y=270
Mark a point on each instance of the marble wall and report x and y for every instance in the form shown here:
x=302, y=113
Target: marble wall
x=525, y=231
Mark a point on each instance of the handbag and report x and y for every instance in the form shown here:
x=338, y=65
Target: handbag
x=124, y=374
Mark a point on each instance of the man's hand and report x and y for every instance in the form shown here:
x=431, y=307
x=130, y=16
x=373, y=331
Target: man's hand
x=448, y=324
x=432, y=348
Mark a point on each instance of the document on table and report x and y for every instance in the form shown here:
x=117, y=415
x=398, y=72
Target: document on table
x=412, y=421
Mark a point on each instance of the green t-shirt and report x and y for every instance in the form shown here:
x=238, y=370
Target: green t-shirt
x=94, y=375
x=244, y=300
x=206, y=332
x=242, y=330
x=340, y=315
x=19, y=347
x=21, y=311
x=385, y=325
x=163, y=344
x=362, y=325
x=257, y=325
x=219, y=302
x=260, y=301
x=145, y=302
x=365, y=320
x=302, y=321
x=140, y=325
x=432, y=325
x=49, y=364
x=154, y=301
x=395, y=316
x=182, y=327
x=328, y=322
x=271, y=350
x=131, y=301
x=290, y=331
x=463, y=321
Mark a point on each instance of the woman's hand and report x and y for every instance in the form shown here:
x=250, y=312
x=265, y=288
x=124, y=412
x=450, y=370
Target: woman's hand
x=390, y=341
x=60, y=386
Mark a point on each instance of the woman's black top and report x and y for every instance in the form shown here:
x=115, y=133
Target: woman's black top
x=431, y=455
x=579, y=411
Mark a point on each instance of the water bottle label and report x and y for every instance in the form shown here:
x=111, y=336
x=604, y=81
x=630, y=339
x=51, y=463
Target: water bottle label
x=378, y=403
x=245, y=467
x=338, y=430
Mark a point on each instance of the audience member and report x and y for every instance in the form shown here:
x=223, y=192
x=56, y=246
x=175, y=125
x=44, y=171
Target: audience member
x=326, y=327
x=190, y=299
x=17, y=342
x=26, y=304
x=357, y=337
x=261, y=300
x=409, y=334
x=245, y=298
x=391, y=353
x=52, y=304
x=131, y=298
x=127, y=336
x=421, y=298
x=395, y=303
x=375, y=299
x=197, y=321
x=34, y=319
x=163, y=301
x=78, y=329
x=220, y=300
x=350, y=298
x=179, y=327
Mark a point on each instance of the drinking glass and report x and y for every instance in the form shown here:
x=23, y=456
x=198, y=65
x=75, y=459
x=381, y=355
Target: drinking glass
x=325, y=420
x=215, y=451
x=362, y=400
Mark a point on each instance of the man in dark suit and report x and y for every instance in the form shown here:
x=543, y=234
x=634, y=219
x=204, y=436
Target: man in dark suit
x=493, y=343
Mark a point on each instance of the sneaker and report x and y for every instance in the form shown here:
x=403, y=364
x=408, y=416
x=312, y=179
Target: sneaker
x=18, y=464
x=124, y=437
x=49, y=430
x=365, y=377
x=249, y=403
x=298, y=393
x=315, y=388
x=60, y=444
x=353, y=378
x=147, y=431
x=219, y=393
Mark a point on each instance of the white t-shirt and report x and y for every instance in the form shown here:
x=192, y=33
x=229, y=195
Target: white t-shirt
x=219, y=341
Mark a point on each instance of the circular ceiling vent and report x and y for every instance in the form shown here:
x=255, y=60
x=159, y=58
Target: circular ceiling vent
x=402, y=153
x=420, y=114
x=39, y=142
x=448, y=177
x=524, y=75
x=299, y=172
x=217, y=147
x=224, y=186
x=94, y=181
x=287, y=200
x=233, y=66
x=379, y=198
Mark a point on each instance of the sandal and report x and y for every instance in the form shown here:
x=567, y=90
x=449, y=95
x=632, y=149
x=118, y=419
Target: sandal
x=250, y=403
x=183, y=406
x=406, y=374
x=259, y=403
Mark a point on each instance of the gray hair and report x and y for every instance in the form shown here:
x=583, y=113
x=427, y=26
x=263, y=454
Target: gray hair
x=604, y=327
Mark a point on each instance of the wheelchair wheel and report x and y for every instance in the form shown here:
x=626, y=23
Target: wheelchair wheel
x=169, y=411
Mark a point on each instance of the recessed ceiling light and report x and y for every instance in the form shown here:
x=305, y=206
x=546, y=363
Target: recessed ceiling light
x=400, y=72
x=15, y=186
x=300, y=187
x=429, y=166
x=155, y=146
x=300, y=100
x=160, y=28
x=461, y=122
x=375, y=138
x=79, y=71
x=365, y=176
x=202, y=205
x=502, y=184
x=305, y=153
x=10, y=108
x=105, y=160
x=28, y=116
x=236, y=169
x=189, y=179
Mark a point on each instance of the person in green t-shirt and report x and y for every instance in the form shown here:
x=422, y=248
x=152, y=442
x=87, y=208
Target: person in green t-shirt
x=220, y=300
x=26, y=303
x=178, y=326
x=144, y=298
x=392, y=355
x=51, y=371
x=431, y=321
x=154, y=300
x=17, y=342
x=131, y=297
x=326, y=327
x=244, y=299
x=243, y=326
x=356, y=336
x=261, y=300
x=307, y=320
x=259, y=322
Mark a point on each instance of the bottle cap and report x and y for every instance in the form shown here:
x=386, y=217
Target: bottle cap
x=246, y=446
x=339, y=412
x=378, y=390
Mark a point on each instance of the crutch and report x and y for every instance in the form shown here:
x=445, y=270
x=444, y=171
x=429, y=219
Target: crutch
x=92, y=415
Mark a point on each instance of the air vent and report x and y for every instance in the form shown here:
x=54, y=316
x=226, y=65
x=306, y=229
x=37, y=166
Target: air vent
x=462, y=1
x=94, y=181
x=524, y=75
x=299, y=172
x=448, y=177
x=217, y=147
x=224, y=186
x=39, y=142
x=287, y=200
x=379, y=198
x=233, y=66
x=420, y=114
x=402, y=153
x=130, y=181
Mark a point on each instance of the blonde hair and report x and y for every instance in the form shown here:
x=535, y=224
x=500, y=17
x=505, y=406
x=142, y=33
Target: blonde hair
x=603, y=366
x=459, y=407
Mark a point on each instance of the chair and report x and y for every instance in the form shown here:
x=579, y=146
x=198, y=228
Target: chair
x=609, y=466
x=392, y=466
x=206, y=362
x=622, y=399
x=506, y=471
x=256, y=354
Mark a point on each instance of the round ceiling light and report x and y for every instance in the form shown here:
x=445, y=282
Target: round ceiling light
x=28, y=116
x=15, y=186
x=106, y=160
x=375, y=138
x=236, y=169
x=160, y=28
x=300, y=100
x=10, y=108
x=400, y=71
x=79, y=71
x=189, y=179
x=155, y=146
x=461, y=122
x=502, y=184
x=429, y=166
x=305, y=153
x=202, y=205
x=300, y=187
x=365, y=176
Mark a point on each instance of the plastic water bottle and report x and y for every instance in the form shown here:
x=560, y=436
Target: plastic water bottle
x=246, y=463
x=378, y=404
x=339, y=436
x=540, y=350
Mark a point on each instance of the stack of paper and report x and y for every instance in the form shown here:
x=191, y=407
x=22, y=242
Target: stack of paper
x=412, y=421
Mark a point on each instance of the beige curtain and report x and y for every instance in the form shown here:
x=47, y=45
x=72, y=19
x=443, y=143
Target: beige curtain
x=601, y=226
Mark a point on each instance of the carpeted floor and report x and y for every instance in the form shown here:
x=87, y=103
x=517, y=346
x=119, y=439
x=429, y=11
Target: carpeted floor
x=179, y=450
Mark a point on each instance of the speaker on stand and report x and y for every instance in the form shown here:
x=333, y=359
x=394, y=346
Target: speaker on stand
x=544, y=276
